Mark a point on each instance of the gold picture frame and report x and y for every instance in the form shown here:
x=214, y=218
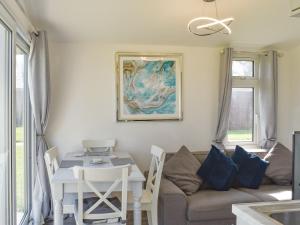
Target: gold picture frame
x=149, y=86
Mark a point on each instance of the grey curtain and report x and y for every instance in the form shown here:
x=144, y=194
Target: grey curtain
x=39, y=91
x=224, y=96
x=268, y=99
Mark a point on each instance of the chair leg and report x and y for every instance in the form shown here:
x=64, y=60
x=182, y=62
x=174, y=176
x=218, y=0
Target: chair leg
x=149, y=217
x=154, y=218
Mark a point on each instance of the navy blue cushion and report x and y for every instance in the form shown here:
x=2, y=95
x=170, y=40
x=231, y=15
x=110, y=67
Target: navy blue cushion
x=251, y=168
x=218, y=170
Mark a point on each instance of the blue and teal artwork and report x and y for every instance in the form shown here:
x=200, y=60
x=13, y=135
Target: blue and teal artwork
x=149, y=87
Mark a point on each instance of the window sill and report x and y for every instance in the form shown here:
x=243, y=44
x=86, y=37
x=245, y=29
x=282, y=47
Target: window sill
x=251, y=149
x=248, y=149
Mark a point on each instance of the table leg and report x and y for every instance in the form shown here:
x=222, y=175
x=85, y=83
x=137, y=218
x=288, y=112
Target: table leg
x=137, y=191
x=58, y=207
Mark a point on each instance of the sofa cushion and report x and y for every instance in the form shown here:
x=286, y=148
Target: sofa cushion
x=214, y=205
x=266, y=180
x=181, y=169
x=251, y=168
x=281, y=164
x=270, y=192
x=199, y=155
x=218, y=170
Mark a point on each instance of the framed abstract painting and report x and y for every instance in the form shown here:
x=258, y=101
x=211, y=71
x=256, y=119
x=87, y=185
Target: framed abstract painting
x=148, y=86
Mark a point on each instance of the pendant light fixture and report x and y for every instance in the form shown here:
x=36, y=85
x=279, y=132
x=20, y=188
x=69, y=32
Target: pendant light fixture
x=204, y=26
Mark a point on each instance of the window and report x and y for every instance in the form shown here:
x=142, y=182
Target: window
x=22, y=133
x=5, y=123
x=243, y=115
x=15, y=125
x=243, y=68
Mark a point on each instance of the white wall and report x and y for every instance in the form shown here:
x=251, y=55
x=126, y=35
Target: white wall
x=295, y=87
x=285, y=128
x=290, y=94
x=84, y=101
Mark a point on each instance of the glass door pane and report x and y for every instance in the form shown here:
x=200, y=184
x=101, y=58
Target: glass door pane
x=21, y=159
x=5, y=50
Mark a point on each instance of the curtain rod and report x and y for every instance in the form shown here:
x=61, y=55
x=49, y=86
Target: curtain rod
x=280, y=54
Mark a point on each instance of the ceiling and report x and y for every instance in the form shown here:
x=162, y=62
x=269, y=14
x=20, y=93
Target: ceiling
x=258, y=23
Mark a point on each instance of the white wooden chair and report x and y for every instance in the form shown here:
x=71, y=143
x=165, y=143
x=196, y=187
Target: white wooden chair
x=101, y=209
x=52, y=164
x=149, y=200
x=99, y=145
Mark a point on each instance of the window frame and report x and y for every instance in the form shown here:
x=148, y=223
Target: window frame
x=7, y=21
x=248, y=82
x=7, y=122
x=28, y=133
x=16, y=34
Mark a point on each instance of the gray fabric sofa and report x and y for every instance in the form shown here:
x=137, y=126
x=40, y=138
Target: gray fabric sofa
x=207, y=206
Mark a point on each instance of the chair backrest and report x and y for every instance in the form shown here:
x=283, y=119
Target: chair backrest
x=87, y=176
x=155, y=172
x=51, y=160
x=95, y=145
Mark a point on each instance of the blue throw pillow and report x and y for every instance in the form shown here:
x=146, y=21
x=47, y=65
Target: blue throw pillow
x=218, y=170
x=251, y=168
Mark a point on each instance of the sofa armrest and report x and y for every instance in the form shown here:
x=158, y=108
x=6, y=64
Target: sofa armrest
x=172, y=204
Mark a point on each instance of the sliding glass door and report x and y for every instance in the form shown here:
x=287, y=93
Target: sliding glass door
x=5, y=123
x=22, y=134
x=15, y=125
x=20, y=139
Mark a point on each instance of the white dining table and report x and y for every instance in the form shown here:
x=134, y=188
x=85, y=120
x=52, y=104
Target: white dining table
x=64, y=182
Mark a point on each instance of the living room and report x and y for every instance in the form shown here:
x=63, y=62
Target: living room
x=68, y=83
